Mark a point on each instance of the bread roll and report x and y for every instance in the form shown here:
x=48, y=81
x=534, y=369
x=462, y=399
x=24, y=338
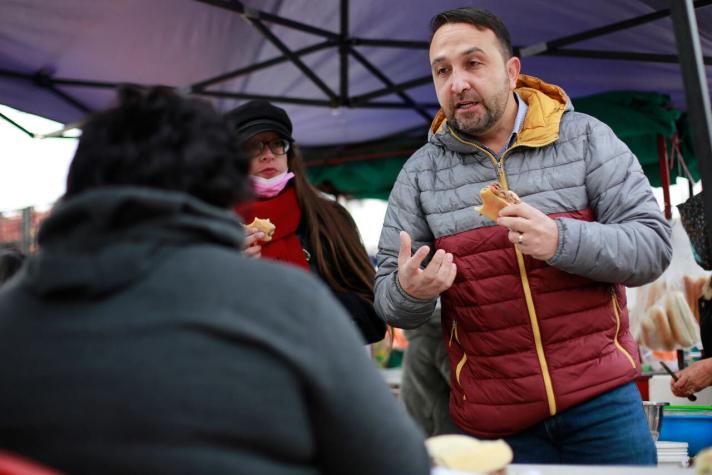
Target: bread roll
x=655, y=330
x=494, y=198
x=703, y=462
x=648, y=337
x=683, y=326
x=467, y=454
x=264, y=225
x=655, y=291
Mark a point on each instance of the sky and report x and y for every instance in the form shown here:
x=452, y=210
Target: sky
x=33, y=173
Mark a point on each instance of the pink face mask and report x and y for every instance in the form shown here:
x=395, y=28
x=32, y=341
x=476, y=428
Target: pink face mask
x=269, y=187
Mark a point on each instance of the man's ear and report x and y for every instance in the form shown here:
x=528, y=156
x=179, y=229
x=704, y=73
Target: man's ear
x=513, y=67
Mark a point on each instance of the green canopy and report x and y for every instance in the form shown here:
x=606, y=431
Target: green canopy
x=638, y=118
x=368, y=170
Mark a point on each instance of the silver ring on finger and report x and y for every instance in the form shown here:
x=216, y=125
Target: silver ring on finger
x=520, y=239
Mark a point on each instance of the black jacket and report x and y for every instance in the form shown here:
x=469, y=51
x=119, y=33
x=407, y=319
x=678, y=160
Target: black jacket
x=140, y=340
x=363, y=313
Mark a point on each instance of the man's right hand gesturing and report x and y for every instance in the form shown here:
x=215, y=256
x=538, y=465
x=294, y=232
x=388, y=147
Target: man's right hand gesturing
x=426, y=283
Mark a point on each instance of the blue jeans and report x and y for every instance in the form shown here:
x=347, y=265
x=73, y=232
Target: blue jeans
x=609, y=429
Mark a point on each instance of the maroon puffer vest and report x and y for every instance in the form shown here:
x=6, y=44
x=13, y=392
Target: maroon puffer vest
x=515, y=364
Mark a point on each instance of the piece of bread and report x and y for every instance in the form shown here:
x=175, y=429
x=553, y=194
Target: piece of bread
x=703, y=462
x=264, y=225
x=683, y=326
x=654, y=292
x=655, y=329
x=467, y=454
x=647, y=335
x=494, y=198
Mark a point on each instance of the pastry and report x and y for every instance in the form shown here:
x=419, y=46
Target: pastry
x=494, y=198
x=264, y=225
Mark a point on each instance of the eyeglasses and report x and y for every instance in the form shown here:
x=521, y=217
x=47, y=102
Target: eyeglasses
x=276, y=146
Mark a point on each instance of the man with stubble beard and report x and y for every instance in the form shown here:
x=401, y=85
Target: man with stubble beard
x=534, y=313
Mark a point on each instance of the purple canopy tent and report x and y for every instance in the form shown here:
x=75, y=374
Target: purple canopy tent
x=346, y=71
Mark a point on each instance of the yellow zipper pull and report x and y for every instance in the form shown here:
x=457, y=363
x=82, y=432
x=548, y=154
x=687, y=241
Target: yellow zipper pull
x=612, y=291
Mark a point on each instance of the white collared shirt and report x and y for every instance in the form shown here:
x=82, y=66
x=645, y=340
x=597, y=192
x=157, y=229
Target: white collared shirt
x=522, y=108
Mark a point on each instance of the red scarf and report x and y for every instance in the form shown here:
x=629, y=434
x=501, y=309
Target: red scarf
x=283, y=210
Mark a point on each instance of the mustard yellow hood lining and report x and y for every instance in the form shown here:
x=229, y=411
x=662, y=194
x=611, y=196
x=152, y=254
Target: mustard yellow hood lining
x=547, y=103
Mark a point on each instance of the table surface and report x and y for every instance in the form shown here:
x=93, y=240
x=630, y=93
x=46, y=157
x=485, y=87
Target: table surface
x=595, y=470
x=521, y=469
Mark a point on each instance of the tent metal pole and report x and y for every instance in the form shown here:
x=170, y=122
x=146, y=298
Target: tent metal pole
x=311, y=102
x=294, y=59
x=663, y=164
x=344, y=54
x=16, y=74
x=26, y=241
x=251, y=13
x=10, y=121
x=68, y=98
x=385, y=80
x=59, y=134
x=282, y=99
x=620, y=55
x=262, y=65
x=355, y=41
x=540, y=48
x=696, y=93
x=399, y=105
x=358, y=100
x=44, y=80
x=60, y=81
x=83, y=83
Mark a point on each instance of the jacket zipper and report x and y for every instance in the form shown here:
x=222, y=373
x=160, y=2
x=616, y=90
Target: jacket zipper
x=463, y=360
x=616, y=311
x=548, y=386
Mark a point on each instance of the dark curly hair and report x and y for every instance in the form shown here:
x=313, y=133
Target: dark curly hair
x=157, y=138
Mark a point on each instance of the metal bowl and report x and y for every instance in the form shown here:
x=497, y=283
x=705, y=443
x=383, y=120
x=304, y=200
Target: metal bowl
x=654, y=415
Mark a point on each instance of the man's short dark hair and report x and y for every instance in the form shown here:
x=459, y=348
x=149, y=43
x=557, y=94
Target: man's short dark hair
x=481, y=19
x=157, y=138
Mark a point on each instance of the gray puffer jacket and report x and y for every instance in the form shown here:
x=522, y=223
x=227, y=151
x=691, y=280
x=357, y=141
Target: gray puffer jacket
x=576, y=164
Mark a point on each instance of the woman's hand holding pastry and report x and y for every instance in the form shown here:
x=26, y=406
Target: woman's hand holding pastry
x=252, y=246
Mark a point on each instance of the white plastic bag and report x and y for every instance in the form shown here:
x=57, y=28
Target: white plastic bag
x=659, y=318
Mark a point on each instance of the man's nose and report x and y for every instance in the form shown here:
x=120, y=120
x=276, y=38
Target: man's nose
x=459, y=82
